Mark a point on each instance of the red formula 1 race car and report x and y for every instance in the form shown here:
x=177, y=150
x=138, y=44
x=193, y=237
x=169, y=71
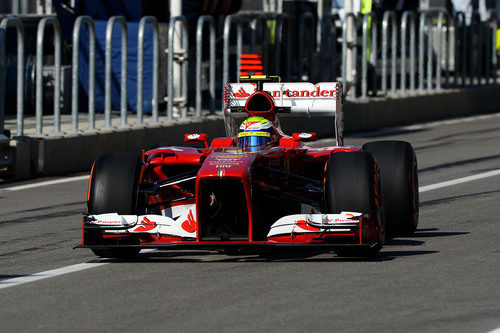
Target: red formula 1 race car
x=257, y=188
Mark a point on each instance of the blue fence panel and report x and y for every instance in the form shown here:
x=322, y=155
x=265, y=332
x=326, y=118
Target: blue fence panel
x=133, y=28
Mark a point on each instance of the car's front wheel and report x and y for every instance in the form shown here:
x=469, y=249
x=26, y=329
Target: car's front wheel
x=352, y=184
x=113, y=188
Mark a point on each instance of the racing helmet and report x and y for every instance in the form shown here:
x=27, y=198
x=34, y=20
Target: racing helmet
x=256, y=133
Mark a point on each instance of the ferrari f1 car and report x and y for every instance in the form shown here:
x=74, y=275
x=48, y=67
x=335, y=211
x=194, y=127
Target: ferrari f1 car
x=257, y=188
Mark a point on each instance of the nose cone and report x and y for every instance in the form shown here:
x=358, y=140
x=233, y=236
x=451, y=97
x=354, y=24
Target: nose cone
x=226, y=165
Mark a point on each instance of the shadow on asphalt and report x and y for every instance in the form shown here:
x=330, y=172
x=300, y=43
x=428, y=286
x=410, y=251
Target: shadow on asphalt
x=404, y=242
x=459, y=163
x=458, y=197
x=433, y=232
x=275, y=256
x=4, y=277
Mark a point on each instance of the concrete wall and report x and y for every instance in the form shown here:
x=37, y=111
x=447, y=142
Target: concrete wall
x=53, y=155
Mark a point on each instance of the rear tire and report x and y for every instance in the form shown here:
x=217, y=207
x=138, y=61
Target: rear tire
x=114, y=189
x=399, y=180
x=351, y=184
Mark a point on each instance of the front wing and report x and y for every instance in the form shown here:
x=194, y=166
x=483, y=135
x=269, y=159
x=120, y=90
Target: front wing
x=158, y=231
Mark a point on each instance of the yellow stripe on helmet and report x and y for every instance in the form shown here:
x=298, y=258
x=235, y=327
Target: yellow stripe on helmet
x=245, y=134
x=261, y=120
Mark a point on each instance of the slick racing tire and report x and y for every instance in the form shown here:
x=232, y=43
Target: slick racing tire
x=113, y=188
x=351, y=184
x=399, y=180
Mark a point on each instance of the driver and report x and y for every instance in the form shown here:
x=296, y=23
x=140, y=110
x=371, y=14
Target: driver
x=256, y=133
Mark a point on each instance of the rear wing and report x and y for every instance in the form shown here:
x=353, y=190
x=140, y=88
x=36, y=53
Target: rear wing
x=299, y=98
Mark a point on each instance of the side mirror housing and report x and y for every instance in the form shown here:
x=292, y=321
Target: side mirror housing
x=195, y=137
x=305, y=137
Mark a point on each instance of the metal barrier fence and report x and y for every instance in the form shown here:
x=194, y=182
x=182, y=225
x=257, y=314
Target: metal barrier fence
x=408, y=19
x=17, y=24
x=415, y=53
x=205, y=20
x=2, y=80
x=327, y=47
x=20, y=7
x=347, y=44
x=124, y=70
x=180, y=56
x=228, y=23
x=40, y=38
x=282, y=22
x=140, y=67
x=306, y=22
x=76, y=74
x=368, y=52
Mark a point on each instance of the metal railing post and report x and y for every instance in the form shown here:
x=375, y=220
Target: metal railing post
x=57, y=73
x=328, y=35
x=15, y=4
x=170, y=62
x=308, y=18
x=372, y=49
x=493, y=60
x=282, y=20
x=349, y=86
x=18, y=24
x=76, y=75
x=108, y=72
x=140, y=68
x=421, y=55
x=408, y=15
x=430, y=54
x=385, y=26
x=475, y=47
x=2, y=80
x=439, y=55
x=260, y=18
x=209, y=20
x=460, y=47
x=227, y=35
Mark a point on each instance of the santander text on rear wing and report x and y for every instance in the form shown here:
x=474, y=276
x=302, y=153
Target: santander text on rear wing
x=299, y=98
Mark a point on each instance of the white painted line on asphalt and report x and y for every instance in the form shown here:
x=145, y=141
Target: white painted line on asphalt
x=48, y=274
x=496, y=330
x=459, y=181
x=56, y=272
x=49, y=182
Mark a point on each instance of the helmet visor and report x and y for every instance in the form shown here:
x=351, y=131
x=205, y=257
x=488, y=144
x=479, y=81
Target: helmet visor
x=253, y=143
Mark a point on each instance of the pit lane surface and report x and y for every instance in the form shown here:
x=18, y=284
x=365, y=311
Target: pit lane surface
x=444, y=278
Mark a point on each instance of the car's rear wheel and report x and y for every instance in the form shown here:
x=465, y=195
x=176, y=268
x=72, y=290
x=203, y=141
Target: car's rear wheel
x=351, y=184
x=113, y=188
x=399, y=180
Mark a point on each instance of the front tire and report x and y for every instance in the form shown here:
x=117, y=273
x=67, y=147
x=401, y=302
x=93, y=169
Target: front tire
x=351, y=184
x=399, y=179
x=113, y=188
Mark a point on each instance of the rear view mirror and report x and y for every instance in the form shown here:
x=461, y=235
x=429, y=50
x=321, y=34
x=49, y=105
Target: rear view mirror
x=194, y=137
x=305, y=137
